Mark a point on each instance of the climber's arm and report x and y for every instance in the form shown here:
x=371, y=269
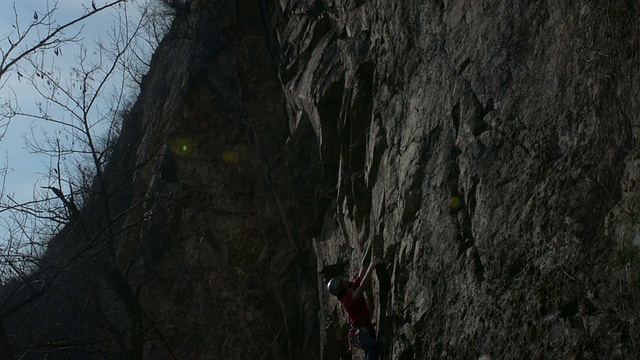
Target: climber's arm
x=366, y=280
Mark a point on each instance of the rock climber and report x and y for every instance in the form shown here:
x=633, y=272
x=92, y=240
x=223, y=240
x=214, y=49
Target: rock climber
x=351, y=295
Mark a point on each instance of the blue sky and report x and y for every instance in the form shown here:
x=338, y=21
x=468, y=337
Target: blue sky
x=26, y=169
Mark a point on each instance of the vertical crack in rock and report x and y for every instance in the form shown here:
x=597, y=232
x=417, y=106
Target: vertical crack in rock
x=376, y=147
x=353, y=134
x=462, y=209
x=455, y=117
x=413, y=196
x=361, y=116
x=329, y=110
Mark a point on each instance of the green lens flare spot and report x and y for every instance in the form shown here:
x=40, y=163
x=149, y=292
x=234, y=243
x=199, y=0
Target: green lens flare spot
x=455, y=202
x=183, y=146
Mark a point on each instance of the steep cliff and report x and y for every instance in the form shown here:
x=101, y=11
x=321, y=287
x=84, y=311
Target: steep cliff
x=493, y=146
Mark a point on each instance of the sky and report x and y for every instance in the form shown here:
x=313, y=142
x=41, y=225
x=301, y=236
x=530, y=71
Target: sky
x=26, y=170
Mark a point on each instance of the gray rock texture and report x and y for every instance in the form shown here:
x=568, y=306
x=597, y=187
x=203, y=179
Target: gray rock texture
x=493, y=145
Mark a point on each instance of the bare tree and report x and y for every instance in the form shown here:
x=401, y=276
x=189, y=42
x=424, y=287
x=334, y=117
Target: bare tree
x=41, y=35
x=86, y=106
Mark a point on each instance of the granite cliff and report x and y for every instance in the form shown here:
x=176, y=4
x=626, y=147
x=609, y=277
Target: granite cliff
x=493, y=146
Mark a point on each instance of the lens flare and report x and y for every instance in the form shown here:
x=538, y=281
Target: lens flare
x=455, y=202
x=183, y=146
x=231, y=157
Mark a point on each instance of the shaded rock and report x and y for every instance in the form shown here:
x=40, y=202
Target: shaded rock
x=493, y=146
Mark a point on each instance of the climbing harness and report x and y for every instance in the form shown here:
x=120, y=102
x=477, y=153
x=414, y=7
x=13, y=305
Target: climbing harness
x=354, y=335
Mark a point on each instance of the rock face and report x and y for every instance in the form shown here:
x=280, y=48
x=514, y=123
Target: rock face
x=493, y=146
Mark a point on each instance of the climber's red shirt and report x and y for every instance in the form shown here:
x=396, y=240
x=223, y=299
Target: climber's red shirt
x=358, y=311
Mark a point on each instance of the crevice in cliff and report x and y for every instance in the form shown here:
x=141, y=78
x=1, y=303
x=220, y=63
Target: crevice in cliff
x=462, y=208
x=329, y=110
x=377, y=146
x=455, y=118
x=413, y=195
x=352, y=137
x=360, y=123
